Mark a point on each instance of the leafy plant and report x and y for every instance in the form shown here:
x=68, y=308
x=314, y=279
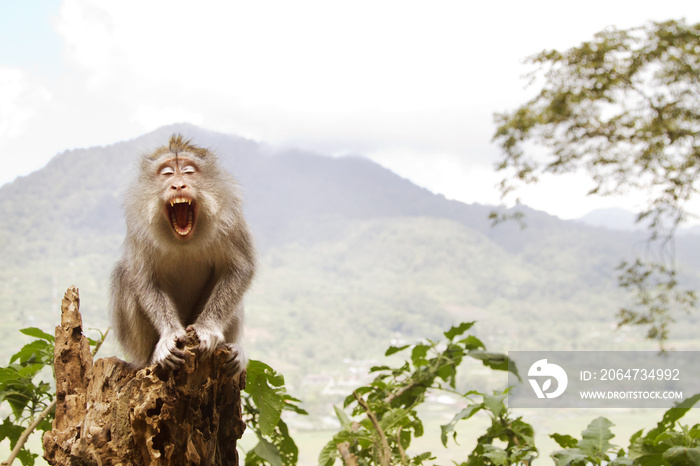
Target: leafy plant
x=518, y=435
x=593, y=448
x=668, y=444
x=27, y=395
x=385, y=417
x=264, y=401
x=383, y=420
x=31, y=398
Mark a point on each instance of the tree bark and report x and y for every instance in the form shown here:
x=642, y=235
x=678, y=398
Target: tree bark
x=109, y=413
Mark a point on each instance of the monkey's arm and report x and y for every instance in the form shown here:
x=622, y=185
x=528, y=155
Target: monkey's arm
x=223, y=311
x=160, y=311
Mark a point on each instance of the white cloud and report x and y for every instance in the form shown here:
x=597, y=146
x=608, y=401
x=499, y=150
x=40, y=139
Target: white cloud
x=21, y=100
x=411, y=84
x=149, y=116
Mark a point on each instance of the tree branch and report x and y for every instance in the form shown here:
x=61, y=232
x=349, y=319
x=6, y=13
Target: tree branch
x=348, y=458
x=99, y=342
x=28, y=431
x=384, y=450
x=402, y=452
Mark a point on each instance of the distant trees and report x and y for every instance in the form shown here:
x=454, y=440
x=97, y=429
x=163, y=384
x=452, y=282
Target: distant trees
x=625, y=108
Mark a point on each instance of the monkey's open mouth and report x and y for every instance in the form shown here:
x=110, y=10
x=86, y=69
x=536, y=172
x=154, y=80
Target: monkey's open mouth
x=181, y=210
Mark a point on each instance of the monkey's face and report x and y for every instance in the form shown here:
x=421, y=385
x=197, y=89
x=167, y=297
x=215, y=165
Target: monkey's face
x=179, y=177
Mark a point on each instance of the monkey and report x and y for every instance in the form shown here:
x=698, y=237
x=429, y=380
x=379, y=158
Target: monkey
x=187, y=259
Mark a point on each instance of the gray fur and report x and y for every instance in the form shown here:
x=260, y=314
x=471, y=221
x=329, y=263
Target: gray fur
x=163, y=282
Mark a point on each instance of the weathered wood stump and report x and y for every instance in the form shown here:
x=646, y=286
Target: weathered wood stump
x=109, y=413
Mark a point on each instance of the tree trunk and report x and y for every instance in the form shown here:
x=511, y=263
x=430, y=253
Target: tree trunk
x=109, y=413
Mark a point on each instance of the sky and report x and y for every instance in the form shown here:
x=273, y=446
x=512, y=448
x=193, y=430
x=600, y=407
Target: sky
x=412, y=85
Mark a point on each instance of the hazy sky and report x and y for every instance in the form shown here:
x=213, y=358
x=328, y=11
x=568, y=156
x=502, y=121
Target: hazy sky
x=412, y=85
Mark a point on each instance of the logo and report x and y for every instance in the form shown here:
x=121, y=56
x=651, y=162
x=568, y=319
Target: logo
x=541, y=369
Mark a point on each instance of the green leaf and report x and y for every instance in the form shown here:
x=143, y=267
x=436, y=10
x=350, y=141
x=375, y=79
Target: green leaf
x=289, y=405
x=8, y=430
x=694, y=432
x=622, y=461
x=670, y=438
x=472, y=343
x=268, y=452
x=675, y=413
x=18, y=402
x=595, y=439
x=565, y=441
x=423, y=457
x=448, y=372
x=418, y=354
x=682, y=456
x=394, y=418
x=405, y=439
x=498, y=456
x=458, y=330
x=523, y=430
x=26, y=457
x=418, y=427
x=38, y=350
x=8, y=374
x=38, y=333
x=379, y=368
x=466, y=413
x=30, y=371
x=494, y=403
x=570, y=457
x=328, y=454
x=285, y=443
x=261, y=383
x=496, y=361
x=395, y=349
x=344, y=419
x=636, y=435
x=653, y=459
x=260, y=369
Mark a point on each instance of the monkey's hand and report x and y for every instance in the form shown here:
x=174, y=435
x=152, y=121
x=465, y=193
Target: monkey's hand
x=209, y=338
x=168, y=352
x=236, y=360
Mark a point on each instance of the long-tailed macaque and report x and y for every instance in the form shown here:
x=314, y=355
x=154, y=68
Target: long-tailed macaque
x=188, y=258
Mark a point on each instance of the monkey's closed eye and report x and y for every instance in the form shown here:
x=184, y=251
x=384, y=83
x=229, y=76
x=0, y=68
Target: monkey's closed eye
x=167, y=171
x=188, y=169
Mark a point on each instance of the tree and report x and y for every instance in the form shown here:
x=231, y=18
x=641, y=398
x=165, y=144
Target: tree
x=385, y=418
x=625, y=108
x=108, y=412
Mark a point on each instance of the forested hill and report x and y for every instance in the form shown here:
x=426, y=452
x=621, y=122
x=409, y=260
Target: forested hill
x=80, y=191
x=352, y=255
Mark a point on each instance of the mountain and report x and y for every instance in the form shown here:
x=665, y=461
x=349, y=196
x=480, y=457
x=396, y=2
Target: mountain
x=352, y=257
x=613, y=218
